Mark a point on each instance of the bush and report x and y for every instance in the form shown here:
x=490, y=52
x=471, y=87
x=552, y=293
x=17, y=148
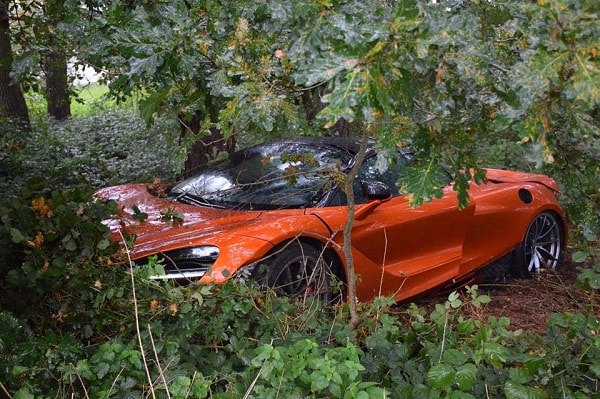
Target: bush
x=228, y=341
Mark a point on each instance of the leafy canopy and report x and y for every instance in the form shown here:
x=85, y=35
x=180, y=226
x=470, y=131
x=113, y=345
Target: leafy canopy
x=446, y=78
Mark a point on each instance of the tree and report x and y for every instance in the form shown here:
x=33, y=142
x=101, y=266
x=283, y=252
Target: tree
x=48, y=34
x=451, y=77
x=12, y=102
x=555, y=103
x=55, y=62
x=218, y=68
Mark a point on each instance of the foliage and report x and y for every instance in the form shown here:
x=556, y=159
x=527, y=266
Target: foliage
x=54, y=246
x=105, y=148
x=107, y=330
x=556, y=103
x=259, y=345
x=458, y=82
x=189, y=58
x=40, y=28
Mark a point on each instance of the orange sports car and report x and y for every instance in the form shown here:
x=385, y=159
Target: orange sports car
x=275, y=213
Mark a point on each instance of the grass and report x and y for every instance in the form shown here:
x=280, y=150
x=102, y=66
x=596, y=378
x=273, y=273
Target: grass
x=86, y=100
x=89, y=97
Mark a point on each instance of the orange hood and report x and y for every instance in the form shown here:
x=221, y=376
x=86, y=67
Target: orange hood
x=168, y=225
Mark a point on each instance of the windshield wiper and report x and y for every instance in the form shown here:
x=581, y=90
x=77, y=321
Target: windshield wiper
x=192, y=199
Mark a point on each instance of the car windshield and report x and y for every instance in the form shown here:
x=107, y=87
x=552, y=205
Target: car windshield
x=271, y=176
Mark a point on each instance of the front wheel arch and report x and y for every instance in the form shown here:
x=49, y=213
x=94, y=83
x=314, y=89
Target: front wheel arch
x=262, y=273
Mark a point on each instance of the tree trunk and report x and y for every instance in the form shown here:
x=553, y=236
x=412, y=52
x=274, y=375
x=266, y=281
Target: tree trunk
x=12, y=102
x=349, y=190
x=311, y=100
x=57, y=86
x=206, y=148
x=55, y=65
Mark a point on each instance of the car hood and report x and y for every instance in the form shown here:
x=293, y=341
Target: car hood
x=160, y=224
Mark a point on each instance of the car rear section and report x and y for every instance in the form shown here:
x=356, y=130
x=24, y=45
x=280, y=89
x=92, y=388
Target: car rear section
x=505, y=208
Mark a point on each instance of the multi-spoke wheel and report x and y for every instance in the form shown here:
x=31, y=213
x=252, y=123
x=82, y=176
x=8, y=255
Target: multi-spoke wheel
x=300, y=270
x=541, y=247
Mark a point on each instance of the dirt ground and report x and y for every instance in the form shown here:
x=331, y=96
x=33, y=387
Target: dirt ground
x=530, y=303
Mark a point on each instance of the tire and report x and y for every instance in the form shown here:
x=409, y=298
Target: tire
x=542, y=246
x=301, y=270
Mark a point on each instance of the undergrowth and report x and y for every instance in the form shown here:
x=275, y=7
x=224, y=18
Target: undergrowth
x=102, y=149
x=78, y=323
x=106, y=330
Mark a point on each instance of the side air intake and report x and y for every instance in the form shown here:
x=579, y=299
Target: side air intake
x=525, y=196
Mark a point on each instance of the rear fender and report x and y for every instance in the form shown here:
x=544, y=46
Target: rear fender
x=507, y=176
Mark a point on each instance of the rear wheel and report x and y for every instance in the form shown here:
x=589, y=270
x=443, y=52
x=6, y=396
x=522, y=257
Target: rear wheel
x=300, y=270
x=542, y=246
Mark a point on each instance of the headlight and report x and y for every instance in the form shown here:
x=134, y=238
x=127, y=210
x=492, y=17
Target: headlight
x=188, y=263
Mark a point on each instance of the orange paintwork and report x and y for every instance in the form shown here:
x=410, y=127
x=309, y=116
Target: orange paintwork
x=398, y=250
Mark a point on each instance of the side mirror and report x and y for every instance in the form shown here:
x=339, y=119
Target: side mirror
x=375, y=190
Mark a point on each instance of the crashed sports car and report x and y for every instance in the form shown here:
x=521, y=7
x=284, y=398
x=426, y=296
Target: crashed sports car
x=275, y=214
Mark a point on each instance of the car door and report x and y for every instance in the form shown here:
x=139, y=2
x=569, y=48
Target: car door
x=403, y=250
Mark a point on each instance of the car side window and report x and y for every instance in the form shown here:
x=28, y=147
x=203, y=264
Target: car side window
x=382, y=167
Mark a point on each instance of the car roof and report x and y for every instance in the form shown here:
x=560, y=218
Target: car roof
x=348, y=144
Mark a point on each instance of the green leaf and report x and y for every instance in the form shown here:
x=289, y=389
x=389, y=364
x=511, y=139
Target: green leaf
x=460, y=395
x=422, y=183
x=441, y=376
x=148, y=65
x=185, y=308
x=319, y=381
x=343, y=99
x=514, y=390
x=579, y=256
x=494, y=352
x=23, y=393
x=520, y=375
x=323, y=69
x=16, y=236
x=102, y=369
x=455, y=357
x=103, y=244
x=590, y=277
x=18, y=370
x=138, y=214
x=466, y=376
x=69, y=243
x=595, y=368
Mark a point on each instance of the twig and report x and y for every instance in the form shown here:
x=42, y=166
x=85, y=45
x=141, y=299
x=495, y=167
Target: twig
x=160, y=370
x=251, y=387
x=83, y=386
x=444, y=338
x=136, y=315
x=5, y=390
x=113, y=383
x=385, y=238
